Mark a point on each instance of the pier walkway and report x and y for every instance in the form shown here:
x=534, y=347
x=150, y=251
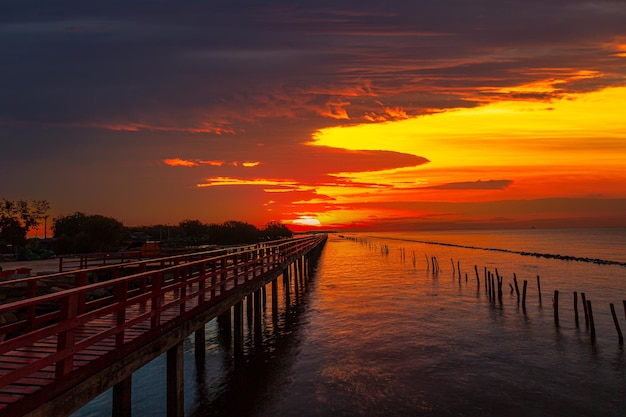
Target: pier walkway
x=65, y=347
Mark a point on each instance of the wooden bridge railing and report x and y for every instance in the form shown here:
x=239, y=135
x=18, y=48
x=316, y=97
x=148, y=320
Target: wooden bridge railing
x=92, y=260
x=34, y=286
x=65, y=331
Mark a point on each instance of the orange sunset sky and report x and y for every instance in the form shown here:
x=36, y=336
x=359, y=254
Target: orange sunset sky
x=398, y=115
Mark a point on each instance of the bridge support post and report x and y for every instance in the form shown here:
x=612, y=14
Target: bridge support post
x=238, y=329
x=224, y=325
x=275, y=299
x=264, y=296
x=296, y=278
x=287, y=285
x=257, y=318
x=175, y=381
x=249, y=308
x=122, y=398
x=199, y=342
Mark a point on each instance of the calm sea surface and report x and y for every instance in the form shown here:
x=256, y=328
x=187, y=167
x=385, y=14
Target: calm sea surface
x=377, y=333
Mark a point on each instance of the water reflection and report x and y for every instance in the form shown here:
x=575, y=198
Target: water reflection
x=249, y=384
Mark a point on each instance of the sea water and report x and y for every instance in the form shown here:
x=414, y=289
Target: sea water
x=379, y=331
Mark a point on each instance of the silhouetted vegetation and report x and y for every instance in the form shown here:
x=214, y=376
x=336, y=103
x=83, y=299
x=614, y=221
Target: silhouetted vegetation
x=82, y=233
x=17, y=218
x=194, y=232
x=85, y=233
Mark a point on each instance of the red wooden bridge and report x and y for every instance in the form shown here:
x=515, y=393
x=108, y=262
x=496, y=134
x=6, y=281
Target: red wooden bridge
x=98, y=326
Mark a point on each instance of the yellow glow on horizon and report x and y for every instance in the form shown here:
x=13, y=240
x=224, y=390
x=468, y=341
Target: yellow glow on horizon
x=307, y=221
x=585, y=129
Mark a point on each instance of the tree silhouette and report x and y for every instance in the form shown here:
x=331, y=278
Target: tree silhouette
x=17, y=218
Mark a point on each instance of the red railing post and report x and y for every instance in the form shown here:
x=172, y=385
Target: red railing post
x=120, y=292
x=223, y=275
x=81, y=281
x=157, y=283
x=31, y=292
x=182, y=273
x=213, y=277
x=66, y=338
x=236, y=268
x=201, y=283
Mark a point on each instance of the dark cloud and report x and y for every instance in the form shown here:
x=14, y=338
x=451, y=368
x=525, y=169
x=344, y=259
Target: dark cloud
x=124, y=84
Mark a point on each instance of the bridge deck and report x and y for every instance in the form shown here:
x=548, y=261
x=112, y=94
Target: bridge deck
x=66, y=336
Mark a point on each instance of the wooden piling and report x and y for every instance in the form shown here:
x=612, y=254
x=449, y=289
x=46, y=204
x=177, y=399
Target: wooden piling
x=619, y=331
x=478, y=281
x=175, y=381
x=516, y=286
x=584, y=300
x=556, y=307
x=487, y=281
x=122, y=398
x=238, y=329
x=199, y=342
x=591, y=323
x=524, y=295
x=249, y=308
x=539, y=288
x=275, y=298
x=576, y=308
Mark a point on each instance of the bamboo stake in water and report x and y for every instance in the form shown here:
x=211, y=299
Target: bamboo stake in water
x=619, y=331
x=539, y=288
x=556, y=307
x=486, y=280
x=524, y=295
x=516, y=286
x=584, y=299
x=576, y=308
x=591, y=323
x=478, y=281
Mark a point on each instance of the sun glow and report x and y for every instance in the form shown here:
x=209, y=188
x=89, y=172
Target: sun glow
x=307, y=221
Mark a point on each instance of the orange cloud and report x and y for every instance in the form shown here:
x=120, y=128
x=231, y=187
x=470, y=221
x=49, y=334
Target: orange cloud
x=178, y=162
x=222, y=181
x=335, y=109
